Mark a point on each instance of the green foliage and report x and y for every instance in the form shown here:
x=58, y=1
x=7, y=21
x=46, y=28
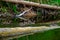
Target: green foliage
x=13, y=7
x=3, y=9
x=8, y=5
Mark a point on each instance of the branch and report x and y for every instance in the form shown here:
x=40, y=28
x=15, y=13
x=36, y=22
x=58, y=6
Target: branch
x=56, y=21
x=34, y=4
x=20, y=31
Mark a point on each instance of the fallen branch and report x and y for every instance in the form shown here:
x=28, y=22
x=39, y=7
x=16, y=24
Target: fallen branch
x=56, y=21
x=34, y=4
x=22, y=31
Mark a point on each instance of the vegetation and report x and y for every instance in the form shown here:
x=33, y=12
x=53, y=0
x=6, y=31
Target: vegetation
x=43, y=15
x=7, y=8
